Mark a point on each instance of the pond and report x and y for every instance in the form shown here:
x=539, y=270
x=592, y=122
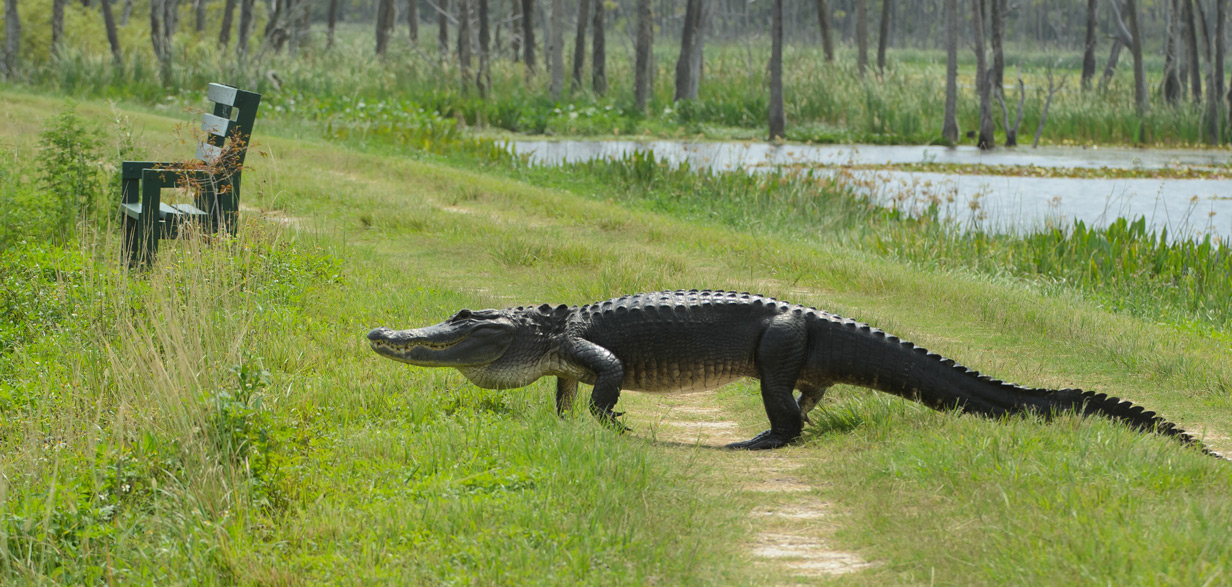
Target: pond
x=1185, y=207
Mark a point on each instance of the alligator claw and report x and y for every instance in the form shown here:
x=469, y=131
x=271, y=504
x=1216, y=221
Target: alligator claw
x=609, y=418
x=766, y=440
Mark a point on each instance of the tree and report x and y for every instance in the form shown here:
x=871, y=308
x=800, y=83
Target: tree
x=1141, y=98
x=1191, y=49
x=579, y=44
x=1088, y=51
x=484, y=79
x=57, y=25
x=777, y=119
x=412, y=19
x=245, y=30
x=228, y=16
x=113, y=38
x=688, y=64
x=556, y=58
x=1215, y=83
x=442, y=29
x=598, y=68
x=949, y=129
x=823, y=18
x=983, y=81
x=464, y=42
x=883, y=34
x=199, y=5
x=1171, y=85
x=515, y=25
x=528, y=35
x=331, y=22
x=385, y=17
x=643, y=56
x=12, y=37
x=998, y=35
x=862, y=34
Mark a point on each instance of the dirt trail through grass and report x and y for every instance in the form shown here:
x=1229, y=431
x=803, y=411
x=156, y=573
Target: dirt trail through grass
x=790, y=529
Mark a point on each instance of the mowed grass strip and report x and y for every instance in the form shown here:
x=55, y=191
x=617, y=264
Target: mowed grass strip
x=385, y=472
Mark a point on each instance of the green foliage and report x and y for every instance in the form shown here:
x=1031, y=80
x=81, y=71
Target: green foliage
x=70, y=162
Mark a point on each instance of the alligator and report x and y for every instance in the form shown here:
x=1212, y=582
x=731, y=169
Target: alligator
x=700, y=340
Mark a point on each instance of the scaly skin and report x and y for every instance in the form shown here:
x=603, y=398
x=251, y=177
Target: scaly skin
x=701, y=340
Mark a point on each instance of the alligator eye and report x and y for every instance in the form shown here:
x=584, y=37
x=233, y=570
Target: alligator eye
x=463, y=313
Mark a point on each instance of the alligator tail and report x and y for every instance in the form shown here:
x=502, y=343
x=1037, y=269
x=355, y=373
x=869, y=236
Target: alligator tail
x=857, y=354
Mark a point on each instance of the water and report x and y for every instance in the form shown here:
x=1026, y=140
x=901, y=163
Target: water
x=1185, y=207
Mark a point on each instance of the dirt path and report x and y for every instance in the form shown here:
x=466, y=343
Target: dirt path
x=790, y=527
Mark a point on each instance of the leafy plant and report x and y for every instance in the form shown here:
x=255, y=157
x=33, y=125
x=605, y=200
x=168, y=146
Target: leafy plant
x=70, y=168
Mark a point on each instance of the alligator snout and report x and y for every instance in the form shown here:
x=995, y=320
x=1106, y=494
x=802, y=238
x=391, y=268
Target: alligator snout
x=379, y=333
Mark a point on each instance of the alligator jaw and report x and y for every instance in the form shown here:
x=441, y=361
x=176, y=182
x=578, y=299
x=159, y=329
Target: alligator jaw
x=428, y=347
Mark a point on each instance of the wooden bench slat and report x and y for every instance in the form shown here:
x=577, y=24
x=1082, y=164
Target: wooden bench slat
x=215, y=125
x=133, y=210
x=208, y=153
x=222, y=94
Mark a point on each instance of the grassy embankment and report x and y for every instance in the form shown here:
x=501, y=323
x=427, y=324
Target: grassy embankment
x=221, y=416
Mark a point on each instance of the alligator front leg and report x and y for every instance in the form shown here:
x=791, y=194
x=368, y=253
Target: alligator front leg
x=780, y=359
x=609, y=375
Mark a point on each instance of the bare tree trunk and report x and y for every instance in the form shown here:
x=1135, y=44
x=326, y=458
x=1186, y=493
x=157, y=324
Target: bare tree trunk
x=1220, y=17
x=777, y=119
x=579, y=44
x=412, y=20
x=986, y=140
x=113, y=38
x=823, y=18
x=384, y=25
x=862, y=34
x=641, y=74
x=1114, y=55
x=528, y=36
x=699, y=49
x=126, y=12
x=200, y=20
x=1141, y=97
x=228, y=17
x=998, y=35
x=688, y=44
x=484, y=80
x=245, y=30
x=1053, y=88
x=883, y=34
x=557, y=54
x=12, y=37
x=464, y=42
x=442, y=29
x=1011, y=131
x=331, y=23
x=515, y=25
x=949, y=128
x=57, y=25
x=1088, y=52
x=1191, y=48
x=598, y=67
x=1171, y=85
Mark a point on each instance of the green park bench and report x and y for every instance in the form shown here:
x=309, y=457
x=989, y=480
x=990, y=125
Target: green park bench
x=214, y=177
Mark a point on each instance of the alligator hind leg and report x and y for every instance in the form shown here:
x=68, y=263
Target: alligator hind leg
x=780, y=358
x=566, y=390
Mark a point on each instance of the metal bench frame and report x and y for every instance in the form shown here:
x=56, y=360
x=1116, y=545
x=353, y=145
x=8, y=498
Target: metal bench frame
x=215, y=176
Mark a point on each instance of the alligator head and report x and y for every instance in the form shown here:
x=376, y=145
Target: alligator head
x=477, y=343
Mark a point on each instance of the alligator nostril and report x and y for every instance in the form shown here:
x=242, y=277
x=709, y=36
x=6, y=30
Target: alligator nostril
x=379, y=333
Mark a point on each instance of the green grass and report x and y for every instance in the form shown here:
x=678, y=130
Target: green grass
x=221, y=418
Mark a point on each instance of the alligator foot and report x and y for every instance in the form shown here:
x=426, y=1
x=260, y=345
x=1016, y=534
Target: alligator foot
x=609, y=418
x=766, y=440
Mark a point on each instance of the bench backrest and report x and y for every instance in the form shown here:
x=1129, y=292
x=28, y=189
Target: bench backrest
x=235, y=111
